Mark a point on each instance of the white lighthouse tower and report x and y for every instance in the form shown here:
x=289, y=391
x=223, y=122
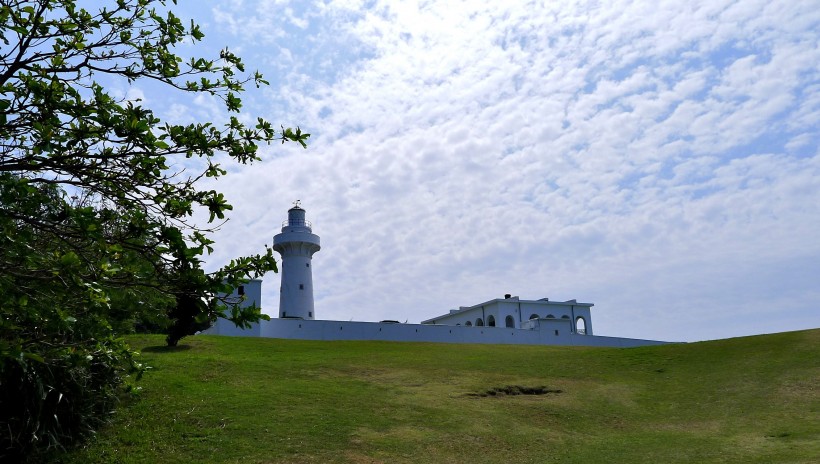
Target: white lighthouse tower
x=296, y=244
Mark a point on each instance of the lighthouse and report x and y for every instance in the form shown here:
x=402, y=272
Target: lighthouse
x=296, y=244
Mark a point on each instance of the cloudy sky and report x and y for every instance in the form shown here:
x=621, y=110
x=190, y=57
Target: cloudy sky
x=657, y=159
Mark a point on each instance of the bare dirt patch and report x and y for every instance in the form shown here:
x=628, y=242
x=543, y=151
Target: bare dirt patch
x=515, y=390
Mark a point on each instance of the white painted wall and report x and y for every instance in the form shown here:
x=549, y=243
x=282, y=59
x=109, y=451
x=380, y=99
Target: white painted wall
x=251, y=294
x=543, y=333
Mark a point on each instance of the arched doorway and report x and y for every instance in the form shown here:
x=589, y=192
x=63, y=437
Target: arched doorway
x=468, y=324
x=479, y=322
x=509, y=322
x=580, y=326
x=491, y=321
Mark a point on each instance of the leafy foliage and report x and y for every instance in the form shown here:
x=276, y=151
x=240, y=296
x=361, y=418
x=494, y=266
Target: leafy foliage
x=96, y=200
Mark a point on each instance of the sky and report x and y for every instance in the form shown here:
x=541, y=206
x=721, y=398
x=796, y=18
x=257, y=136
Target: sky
x=657, y=159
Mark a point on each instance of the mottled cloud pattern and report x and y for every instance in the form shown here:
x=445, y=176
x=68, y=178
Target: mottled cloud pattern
x=659, y=159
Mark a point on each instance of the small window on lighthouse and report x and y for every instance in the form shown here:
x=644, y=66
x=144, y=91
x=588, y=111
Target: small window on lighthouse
x=241, y=290
x=301, y=286
x=307, y=264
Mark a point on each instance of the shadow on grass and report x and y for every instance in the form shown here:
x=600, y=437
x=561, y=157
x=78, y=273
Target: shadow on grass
x=165, y=348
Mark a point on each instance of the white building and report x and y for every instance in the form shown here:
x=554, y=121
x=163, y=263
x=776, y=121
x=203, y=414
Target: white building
x=508, y=320
x=512, y=312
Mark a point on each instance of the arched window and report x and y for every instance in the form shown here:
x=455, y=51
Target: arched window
x=490, y=321
x=468, y=324
x=509, y=322
x=550, y=316
x=564, y=317
x=580, y=326
x=479, y=322
x=534, y=316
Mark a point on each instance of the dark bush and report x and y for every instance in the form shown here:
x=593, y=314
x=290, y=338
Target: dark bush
x=53, y=398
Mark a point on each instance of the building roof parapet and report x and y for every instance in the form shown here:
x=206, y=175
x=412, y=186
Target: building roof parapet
x=542, y=302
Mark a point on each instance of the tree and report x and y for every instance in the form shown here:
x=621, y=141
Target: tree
x=94, y=217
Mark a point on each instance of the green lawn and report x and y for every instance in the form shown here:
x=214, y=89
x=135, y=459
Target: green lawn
x=251, y=400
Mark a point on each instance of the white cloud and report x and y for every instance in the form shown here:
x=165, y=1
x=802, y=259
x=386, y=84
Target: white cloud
x=657, y=159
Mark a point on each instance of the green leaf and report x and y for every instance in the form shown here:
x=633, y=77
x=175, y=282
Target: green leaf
x=34, y=357
x=70, y=259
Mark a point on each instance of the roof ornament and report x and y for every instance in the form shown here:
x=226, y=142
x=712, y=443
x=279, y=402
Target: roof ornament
x=296, y=203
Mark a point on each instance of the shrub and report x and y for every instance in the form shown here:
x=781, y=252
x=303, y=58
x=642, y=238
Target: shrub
x=52, y=396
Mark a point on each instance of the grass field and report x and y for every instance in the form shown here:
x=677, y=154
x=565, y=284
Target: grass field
x=225, y=400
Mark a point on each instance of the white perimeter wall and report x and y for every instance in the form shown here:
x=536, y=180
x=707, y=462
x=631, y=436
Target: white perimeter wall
x=338, y=330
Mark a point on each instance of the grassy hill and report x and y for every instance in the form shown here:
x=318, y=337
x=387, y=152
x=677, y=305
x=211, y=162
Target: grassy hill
x=221, y=399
